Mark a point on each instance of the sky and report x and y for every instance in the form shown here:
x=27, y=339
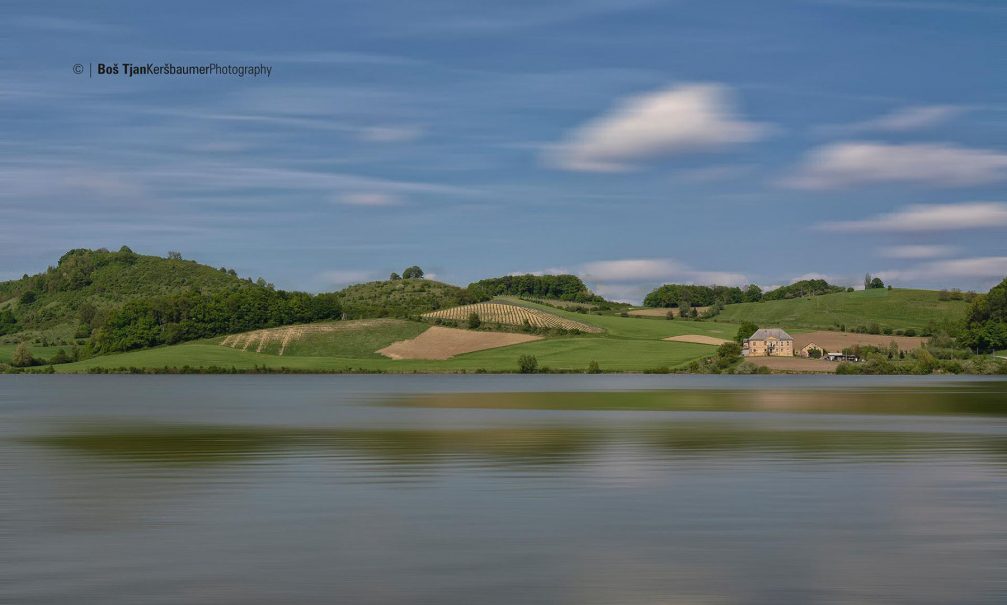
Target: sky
x=630, y=142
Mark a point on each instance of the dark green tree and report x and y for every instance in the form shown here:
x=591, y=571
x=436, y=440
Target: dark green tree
x=745, y=330
x=413, y=272
x=527, y=364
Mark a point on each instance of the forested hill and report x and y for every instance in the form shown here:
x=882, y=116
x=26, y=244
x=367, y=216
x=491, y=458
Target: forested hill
x=87, y=291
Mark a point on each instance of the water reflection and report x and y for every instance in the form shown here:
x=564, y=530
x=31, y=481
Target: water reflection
x=263, y=490
x=190, y=445
x=988, y=399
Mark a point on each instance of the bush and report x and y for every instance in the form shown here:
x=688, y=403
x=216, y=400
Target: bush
x=815, y=353
x=527, y=364
x=22, y=357
x=593, y=368
x=474, y=322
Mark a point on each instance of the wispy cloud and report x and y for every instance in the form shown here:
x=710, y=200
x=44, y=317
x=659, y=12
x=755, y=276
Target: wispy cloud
x=682, y=119
x=987, y=269
x=391, y=134
x=864, y=162
x=369, y=198
x=929, y=217
x=630, y=279
x=964, y=6
x=905, y=119
x=917, y=251
x=61, y=25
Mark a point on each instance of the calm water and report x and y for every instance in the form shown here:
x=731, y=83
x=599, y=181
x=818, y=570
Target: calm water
x=457, y=489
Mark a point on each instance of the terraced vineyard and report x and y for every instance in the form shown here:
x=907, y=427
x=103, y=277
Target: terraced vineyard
x=358, y=337
x=511, y=315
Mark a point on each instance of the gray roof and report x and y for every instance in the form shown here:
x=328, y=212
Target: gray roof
x=765, y=333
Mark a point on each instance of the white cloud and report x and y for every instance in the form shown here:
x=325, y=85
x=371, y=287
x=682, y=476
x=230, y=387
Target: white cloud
x=930, y=217
x=369, y=198
x=988, y=269
x=864, y=162
x=687, y=118
x=917, y=251
x=662, y=269
x=909, y=118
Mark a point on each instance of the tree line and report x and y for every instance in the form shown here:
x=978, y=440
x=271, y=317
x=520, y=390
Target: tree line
x=561, y=287
x=190, y=315
x=687, y=296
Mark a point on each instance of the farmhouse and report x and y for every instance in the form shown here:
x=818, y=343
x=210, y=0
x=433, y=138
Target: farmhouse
x=769, y=342
x=811, y=346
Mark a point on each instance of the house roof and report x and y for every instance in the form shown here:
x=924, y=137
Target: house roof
x=766, y=333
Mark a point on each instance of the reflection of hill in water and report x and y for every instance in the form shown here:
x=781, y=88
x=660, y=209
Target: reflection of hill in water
x=975, y=399
x=515, y=447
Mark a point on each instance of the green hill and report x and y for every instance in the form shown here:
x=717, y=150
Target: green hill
x=88, y=284
x=402, y=298
x=897, y=309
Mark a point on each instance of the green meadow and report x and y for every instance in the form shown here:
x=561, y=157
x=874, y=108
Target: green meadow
x=897, y=309
x=628, y=344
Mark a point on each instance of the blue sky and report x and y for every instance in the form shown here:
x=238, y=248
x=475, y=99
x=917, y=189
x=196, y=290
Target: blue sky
x=632, y=142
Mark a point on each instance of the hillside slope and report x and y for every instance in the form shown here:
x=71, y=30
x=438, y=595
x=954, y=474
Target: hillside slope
x=898, y=309
x=89, y=282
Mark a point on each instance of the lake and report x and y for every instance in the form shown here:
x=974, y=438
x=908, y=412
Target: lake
x=610, y=489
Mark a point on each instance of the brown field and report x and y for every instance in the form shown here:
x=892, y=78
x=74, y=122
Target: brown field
x=258, y=340
x=511, y=315
x=698, y=339
x=661, y=312
x=795, y=364
x=439, y=342
x=837, y=341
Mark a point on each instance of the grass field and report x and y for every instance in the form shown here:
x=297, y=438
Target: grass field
x=354, y=338
x=628, y=344
x=896, y=308
x=7, y=350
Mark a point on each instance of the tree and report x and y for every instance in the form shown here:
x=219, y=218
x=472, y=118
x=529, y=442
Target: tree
x=593, y=368
x=815, y=353
x=877, y=283
x=745, y=330
x=729, y=350
x=867, y=281
x=670, y=314
x=413, y=272
x=527, y=364
x=474, y=322
x=394, y=276
x=174, y=255
x=752, y=293
x=22, y=357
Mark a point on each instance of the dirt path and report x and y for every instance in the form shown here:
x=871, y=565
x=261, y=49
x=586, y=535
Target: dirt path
x=698, y=339
x=439, y=342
